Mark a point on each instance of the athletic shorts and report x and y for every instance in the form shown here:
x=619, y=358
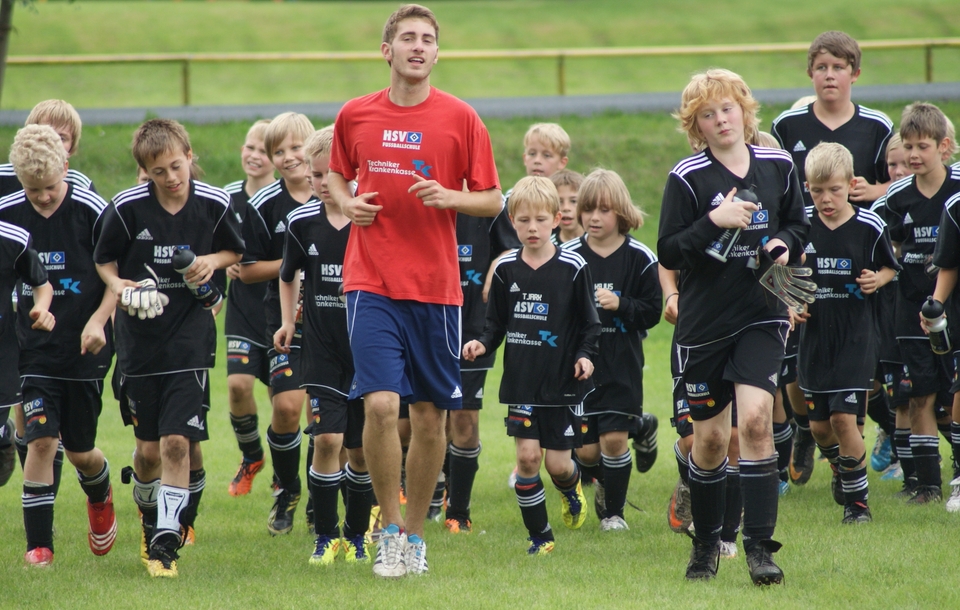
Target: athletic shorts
x=788, y=373
x=62, y=408
x=171, y=403
x=406, y=347
x=9, y=364
x=615, y=397
x=246, y=358
x=892, y=381
x=473, y=382
x=927, y=373
x=751, y=357
x=334, y=414
x=559, y=428
x=681, y=410
x=821, y=404
x=284, y=370
x=596, y=424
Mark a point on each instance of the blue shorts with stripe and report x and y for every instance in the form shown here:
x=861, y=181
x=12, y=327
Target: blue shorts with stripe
x=406, y=347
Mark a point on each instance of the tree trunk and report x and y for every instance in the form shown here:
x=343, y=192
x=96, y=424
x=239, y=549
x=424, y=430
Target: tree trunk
x=6, y=26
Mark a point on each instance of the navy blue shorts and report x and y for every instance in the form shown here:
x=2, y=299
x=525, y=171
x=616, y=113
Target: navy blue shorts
x=406, y=347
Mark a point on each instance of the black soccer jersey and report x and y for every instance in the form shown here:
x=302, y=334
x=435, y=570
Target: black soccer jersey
x=245, y=317
x=838, y=343
x=65, y=243
x=479, y=242
x=631, y=272
x=549, y=320
x=719, y=299
x=947, y=251
x=264, y=233
x=9, y=183
x=317, y=247
x=865, y=135
x=914, y=222
x=886, y=301
x=18, y=262
x=138, y=231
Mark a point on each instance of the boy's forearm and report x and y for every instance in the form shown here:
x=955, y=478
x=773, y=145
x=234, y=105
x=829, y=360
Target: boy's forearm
x=486, y=203
x=288, y=299
x=885, y=276
x=946, y=282
x=224, y=258
x=260, y=271
x=110, y=274
x=42, y=296
x=107, y=306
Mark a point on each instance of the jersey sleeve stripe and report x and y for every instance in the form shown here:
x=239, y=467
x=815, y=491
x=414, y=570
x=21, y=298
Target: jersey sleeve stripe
x=78, y=179
x=234, y=187
x=639, y=245
x=212, y=192
x=131, y=194
x=15, y=233
x=265, y=193
x=305, y=211
x=13, y=199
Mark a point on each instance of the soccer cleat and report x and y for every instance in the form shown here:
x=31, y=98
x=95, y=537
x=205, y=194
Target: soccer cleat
x=704, y=561
x=512, y=479
x=103, y=525
x=612, y=524
x=415, y=555
x=783, y=488
x=728, y=550
x=894, y=472
x=189, y=535
x=435, y=513
x=953, y=504
x=326, y=551
x=539, y=546
x=162, y=562
x=391, y=549
x=458, y=525
x=880, y=458
x=373, y=529
x=599, y=500
x=801, y=465
x=908, y=490
x=573, y=507
x=856, y=513
x=679, y=516
x=243, y=481
x=8, y=453
x=280, y=520
x=355, y=550
x=403, y=496
x=40, y=557
x=926, y=494
x=763, y=570
x=645, y=445
x=836, y=486
x=146, y=534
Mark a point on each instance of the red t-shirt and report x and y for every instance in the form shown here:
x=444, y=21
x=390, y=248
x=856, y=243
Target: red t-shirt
x=410, y=250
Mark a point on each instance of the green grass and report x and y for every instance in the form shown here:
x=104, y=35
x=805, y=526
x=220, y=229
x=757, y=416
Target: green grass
x=159, y=27
x=897, y=561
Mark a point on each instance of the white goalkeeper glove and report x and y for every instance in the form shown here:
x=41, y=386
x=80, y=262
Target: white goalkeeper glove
x=784, y=282
x=144, y=300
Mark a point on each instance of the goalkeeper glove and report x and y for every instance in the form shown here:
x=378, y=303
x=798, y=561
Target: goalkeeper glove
x=784, y=282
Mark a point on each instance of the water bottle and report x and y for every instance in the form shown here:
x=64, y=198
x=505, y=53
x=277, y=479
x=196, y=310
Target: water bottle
x=208, y=294
x=721, y=246
x=932, y=312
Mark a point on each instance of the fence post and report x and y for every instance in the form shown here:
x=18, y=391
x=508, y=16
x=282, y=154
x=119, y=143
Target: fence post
x=185, y=78
x=561, y=74
x=928, y=52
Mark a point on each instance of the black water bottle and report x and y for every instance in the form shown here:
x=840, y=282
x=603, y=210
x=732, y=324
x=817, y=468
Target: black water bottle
x=932, y=312
x=208, y=294
x=721, y=246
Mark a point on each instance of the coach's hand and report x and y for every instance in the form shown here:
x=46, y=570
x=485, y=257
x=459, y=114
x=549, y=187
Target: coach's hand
x=583, y=369
x=360, y=211
x=732, y=214
x=431, y=193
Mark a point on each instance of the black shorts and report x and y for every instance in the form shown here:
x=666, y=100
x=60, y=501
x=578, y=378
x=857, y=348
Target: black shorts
x=892, y=381
x=613, y=397
x=9, y=363
x=171, y=403
x=284, y=370
x=246, y=358
x=788, y=372
x=334, y=414
x=925, y=372
x=473, y=382
x=751, y=357
x=557, y=428
x=65, y=408
x=821, y=404
x=681, y=410
x=597, y=424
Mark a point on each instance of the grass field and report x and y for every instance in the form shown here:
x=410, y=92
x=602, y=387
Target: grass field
x=129, y=26
x=900, y=560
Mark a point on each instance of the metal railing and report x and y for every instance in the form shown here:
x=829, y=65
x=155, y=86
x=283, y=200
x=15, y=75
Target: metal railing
x=560, y=55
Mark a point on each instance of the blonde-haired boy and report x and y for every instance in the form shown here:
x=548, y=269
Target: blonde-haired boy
x=542, y=302
x=545, y=149
x=568, y=183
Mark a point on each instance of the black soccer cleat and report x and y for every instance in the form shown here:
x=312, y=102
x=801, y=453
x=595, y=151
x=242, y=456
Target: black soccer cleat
x=801, y=465
x=645, y=443
x=926, y=494
x=856, y=513
x=763, y=570
x=280, y=520
x=704, y=561
x=909, y=489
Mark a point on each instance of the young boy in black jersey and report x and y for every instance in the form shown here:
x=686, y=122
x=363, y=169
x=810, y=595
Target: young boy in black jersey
x=542, y=301
x=628, y=301
x=62, y=384
x=264, y=235
x=247, y=358
x=315, y=244
x=568, y=183
x=850, y=253
x=164, y=356
x=730, y=332
x=914, y=207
